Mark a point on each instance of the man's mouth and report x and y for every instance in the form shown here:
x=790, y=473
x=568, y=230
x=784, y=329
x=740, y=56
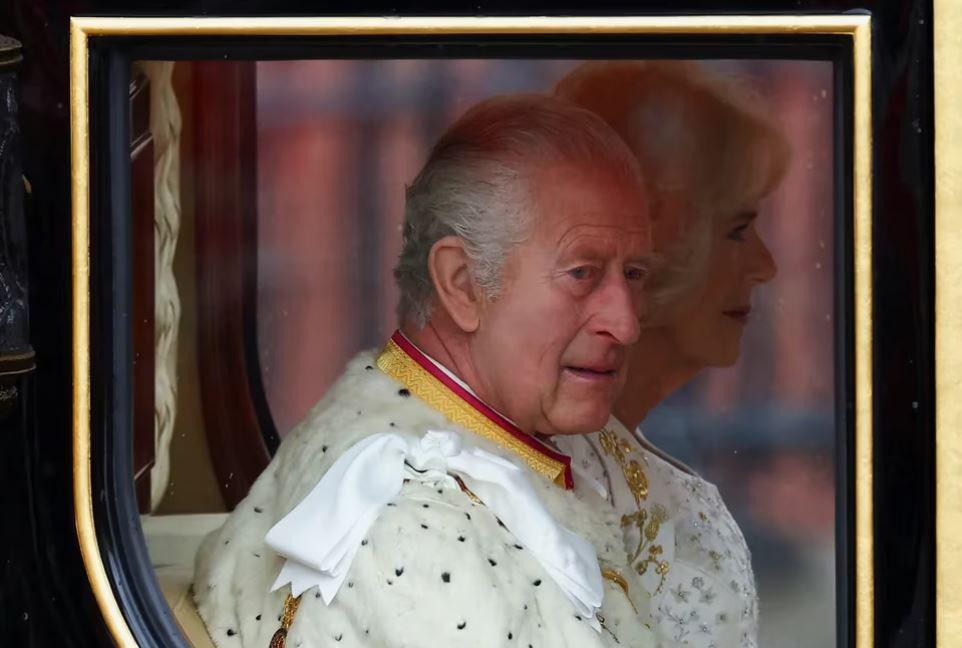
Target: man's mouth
x=592, y=373
x=739, y=314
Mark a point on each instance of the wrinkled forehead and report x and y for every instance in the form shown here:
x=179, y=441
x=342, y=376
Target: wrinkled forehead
x=589, y=236
x=587, y=205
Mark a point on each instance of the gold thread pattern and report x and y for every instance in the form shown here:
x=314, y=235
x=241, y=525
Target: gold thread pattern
x=399, y=365
x=647, y=521
x=291, y=603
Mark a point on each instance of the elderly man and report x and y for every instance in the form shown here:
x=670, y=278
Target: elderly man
x=420, y=503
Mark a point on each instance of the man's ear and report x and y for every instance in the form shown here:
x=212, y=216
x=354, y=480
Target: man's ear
x=456, y=291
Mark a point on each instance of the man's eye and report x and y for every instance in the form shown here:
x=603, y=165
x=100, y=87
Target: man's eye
x=636, y=274
x=581, y=272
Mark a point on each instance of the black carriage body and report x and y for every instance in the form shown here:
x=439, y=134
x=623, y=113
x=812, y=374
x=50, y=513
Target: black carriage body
x=45, y=594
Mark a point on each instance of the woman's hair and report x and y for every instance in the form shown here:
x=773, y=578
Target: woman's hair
x=475, y=185
x=703, y=145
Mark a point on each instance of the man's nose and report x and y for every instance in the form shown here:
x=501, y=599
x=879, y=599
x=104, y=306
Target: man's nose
x=762, y=267
x=618, y=312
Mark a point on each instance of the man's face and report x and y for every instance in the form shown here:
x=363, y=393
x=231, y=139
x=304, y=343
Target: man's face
x=550, y=350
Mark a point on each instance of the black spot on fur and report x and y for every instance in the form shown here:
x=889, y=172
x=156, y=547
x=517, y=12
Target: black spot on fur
x=338, y=636
x=467, y=515
x=446, y=577
x=492, y=562
x=364, y=542
x=462, y=625
x=323, y=448
x=368, y=368
x=258, y=509
x=403, y=393
x=510, y=636
x=518, y=547
x=537, y=582
x=399, y=571
x=257, y=618
x=425, y=506
x=460, y=538
x=350, y=584
x=423, y=525
x=231, y=632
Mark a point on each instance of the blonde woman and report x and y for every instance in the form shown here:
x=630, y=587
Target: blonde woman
x=710, y=160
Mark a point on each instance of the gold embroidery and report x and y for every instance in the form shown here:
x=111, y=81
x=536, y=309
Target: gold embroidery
x=647, y=521
x=279, y=640
x=610, y=574
x=399, y=365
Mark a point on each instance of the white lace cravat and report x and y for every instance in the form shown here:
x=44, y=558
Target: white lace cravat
x=320, y=537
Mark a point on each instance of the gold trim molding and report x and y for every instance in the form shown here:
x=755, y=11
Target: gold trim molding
x=857, y=26
x=397, y=364
x=947, y=27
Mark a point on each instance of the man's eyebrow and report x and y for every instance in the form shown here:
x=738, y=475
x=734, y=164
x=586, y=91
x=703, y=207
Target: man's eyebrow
x=649, y=260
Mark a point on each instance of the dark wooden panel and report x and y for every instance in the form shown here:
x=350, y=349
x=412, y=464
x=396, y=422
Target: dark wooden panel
x=226, y=203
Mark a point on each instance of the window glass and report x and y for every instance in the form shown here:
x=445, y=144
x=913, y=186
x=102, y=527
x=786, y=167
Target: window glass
x=278, y=222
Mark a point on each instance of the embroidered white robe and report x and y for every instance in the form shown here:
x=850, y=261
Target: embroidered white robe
x=436, y=568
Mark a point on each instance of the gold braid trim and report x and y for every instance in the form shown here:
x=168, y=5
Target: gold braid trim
x=279, y=640
x=399, y=365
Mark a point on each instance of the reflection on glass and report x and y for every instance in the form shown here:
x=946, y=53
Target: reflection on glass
x=337, y=142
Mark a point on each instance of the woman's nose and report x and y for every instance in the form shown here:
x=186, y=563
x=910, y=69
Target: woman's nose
x=762, y=267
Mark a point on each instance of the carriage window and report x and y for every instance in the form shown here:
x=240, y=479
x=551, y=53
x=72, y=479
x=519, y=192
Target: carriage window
x=271, y=197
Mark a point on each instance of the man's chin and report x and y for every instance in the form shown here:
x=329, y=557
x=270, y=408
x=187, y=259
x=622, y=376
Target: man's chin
x=582, y=421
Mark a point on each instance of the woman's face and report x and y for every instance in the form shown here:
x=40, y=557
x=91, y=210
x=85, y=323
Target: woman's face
x=706, y=326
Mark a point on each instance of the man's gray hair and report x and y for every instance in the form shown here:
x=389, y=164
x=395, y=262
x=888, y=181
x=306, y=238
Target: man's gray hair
x=476, y=186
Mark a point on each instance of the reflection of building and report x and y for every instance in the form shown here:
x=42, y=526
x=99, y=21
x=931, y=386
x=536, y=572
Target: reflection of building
x=338, y=140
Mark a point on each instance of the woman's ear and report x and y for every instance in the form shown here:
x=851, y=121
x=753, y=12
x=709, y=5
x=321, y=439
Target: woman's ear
x=456, y=291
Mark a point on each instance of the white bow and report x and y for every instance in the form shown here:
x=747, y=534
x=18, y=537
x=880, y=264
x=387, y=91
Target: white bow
x=322, y=534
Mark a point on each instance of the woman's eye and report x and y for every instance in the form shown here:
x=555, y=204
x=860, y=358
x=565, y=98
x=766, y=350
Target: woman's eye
x=738, y=233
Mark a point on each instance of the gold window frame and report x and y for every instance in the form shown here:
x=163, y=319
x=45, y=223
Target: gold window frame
x=855, y=26
x=947, y=53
